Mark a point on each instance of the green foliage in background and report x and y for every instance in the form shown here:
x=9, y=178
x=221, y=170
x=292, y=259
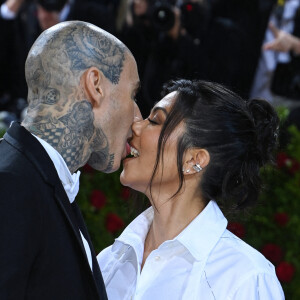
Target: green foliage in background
x=276, y=220
x=104, y=205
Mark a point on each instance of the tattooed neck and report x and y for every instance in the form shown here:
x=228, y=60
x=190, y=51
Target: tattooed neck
x=73, y=135
x=63, y=139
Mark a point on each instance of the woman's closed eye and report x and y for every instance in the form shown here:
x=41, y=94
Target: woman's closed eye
x=157, y=116
x=152, y=121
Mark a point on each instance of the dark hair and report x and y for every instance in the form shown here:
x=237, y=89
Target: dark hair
x=239, y=135
x=52, y=5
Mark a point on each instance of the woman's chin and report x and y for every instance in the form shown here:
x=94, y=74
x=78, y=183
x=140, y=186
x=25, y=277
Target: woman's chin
x=126, y=180
x=132, y=183
x=123, y=179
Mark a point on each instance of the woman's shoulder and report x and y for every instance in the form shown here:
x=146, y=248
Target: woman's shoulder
x=240, y=255
x=236, y=269
x=233, y=265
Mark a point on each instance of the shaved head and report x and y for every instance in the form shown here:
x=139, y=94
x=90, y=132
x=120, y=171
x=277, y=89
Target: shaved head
x=62, y=53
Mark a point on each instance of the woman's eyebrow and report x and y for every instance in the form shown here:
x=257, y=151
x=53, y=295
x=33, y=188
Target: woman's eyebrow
x=155, y=109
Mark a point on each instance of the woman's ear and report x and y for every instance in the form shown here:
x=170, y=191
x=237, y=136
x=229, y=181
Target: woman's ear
x=195, y=160
x=93, y=84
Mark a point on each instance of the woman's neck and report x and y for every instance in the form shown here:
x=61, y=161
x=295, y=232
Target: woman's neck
x=170, y=218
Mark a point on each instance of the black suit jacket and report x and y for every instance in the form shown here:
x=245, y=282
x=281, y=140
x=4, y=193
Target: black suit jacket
x=41, y=251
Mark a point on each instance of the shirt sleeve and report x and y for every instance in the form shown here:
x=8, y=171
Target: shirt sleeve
x=259, y=287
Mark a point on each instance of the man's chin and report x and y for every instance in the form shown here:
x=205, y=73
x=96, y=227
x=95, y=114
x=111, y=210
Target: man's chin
x=111, y=170
x=107, y=169
x=104, y=163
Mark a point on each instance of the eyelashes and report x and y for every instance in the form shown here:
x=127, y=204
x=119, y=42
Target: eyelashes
x=152, y=122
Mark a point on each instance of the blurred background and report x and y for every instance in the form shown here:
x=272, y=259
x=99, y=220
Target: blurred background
x=251, y=46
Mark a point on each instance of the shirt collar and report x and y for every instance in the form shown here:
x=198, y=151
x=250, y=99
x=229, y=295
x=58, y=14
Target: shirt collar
x=70, y=182
x=135, y=233
x=199, y=237
x=204, y=231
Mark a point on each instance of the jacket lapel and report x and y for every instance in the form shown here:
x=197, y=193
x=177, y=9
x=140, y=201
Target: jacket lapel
x=96, y=270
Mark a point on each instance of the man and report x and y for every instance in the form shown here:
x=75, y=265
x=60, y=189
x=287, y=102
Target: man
x=82, y=82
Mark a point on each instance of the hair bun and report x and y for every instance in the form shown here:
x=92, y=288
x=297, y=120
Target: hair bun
x=266, y=124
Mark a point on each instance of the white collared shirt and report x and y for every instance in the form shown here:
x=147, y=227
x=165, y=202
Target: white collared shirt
x=205, y=261
x=70, y=183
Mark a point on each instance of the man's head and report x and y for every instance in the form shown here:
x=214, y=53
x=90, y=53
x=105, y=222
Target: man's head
x=81, y=87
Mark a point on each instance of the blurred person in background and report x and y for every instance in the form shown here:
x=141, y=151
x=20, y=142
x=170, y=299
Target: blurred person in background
x=217, y=40
x=165, y=38
x=214, y=40
x=235, y=46
x=234, y=41
x=283, y=42
x=139, y=35
x=278, y=69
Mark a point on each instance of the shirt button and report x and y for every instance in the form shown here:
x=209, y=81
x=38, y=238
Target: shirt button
x=157, y=258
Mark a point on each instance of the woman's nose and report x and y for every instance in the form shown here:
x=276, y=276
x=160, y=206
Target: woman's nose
x=137, y=126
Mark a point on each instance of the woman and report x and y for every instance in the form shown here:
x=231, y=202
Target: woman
x=201, y=145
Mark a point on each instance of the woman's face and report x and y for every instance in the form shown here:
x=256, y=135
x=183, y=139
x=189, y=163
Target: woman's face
x=137, y=171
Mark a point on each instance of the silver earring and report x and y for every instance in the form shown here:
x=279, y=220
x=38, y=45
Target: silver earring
x=182, y=169
x=197, y=168
x=188, y=170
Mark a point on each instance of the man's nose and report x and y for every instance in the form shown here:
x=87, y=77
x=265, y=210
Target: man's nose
x=137, y=114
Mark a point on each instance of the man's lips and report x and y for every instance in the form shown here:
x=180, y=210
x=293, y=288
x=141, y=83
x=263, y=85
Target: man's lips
x=126, y=151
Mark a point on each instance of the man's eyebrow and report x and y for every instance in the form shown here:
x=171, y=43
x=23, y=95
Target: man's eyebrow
x=155, y=109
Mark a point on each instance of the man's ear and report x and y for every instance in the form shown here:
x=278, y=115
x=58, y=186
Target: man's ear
x=195, y=160
x=93, y=84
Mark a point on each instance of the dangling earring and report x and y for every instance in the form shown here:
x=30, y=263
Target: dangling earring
x=197, y=168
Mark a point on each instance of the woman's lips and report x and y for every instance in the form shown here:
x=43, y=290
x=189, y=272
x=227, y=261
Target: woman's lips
x=130, y=152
